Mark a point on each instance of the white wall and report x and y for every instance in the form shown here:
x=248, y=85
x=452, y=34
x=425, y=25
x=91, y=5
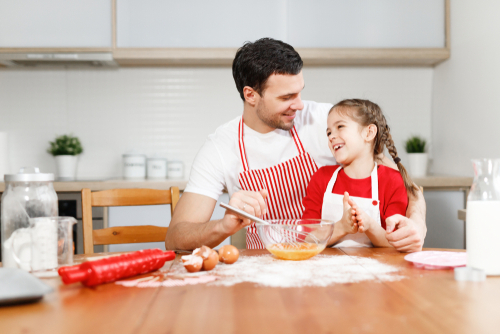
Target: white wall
x=170, y=111
x=466, y=93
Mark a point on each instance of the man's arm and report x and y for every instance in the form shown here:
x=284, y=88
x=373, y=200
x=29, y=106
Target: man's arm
x=411, y=230
x=190, y=223
x=191, y=226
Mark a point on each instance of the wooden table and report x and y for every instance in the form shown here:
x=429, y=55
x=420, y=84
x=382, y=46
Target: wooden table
x=426, y=301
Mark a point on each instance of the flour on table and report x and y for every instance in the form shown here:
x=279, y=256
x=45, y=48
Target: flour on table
x=321, y=270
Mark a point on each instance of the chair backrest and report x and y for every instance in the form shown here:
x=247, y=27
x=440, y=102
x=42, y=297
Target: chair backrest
x=123, y=234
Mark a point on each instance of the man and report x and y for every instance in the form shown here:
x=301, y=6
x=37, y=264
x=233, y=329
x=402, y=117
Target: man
x=266, y=158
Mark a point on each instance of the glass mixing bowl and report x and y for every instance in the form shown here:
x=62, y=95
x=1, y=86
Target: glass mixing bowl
x=295, y=239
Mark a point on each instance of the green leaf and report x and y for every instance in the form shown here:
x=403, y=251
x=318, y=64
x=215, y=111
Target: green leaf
x=65, y=145
x=415, y=144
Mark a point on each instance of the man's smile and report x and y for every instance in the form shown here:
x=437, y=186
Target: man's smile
x=290, y=115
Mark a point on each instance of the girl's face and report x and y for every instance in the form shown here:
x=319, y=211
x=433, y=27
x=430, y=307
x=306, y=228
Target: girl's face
x=347, y=139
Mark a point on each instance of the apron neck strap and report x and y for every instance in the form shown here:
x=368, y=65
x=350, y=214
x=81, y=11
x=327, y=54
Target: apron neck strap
x=373, y=176
x=241, y=143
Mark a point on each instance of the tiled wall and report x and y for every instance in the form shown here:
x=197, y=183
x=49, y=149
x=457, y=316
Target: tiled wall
x=170, y=111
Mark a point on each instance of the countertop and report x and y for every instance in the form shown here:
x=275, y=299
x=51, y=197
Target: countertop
x=431, y=182
x=422, y=301
x=437, y=182
x=96, y=185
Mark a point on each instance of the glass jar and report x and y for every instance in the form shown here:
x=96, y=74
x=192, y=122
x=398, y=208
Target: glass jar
x=483, y=217
x=26, y=195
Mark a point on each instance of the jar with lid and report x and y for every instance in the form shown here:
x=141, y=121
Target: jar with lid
x=157, y=168
x=175, y=169
x=27, y=195
x=134, y=166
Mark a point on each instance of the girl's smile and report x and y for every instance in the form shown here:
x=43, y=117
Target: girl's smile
x=344, y=138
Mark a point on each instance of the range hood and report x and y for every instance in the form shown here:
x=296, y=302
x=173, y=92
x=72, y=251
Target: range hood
x=43, y=60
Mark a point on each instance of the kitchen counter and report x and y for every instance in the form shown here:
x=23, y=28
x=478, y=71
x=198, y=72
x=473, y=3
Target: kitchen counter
x=431, y=182
x=444, y=182
x=96, y=185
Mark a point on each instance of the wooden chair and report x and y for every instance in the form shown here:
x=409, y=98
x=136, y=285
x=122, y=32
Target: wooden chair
x=123, y=234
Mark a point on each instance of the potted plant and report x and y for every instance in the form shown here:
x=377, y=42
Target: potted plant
x=66, y=149
x=417, y=158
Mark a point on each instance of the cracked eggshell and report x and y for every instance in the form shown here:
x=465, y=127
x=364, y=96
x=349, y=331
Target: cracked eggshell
x=192, y=263
x=228, y=254
x=203, y=252
x=210, y=262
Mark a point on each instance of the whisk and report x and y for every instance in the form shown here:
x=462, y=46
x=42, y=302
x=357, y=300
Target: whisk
x=289, y=238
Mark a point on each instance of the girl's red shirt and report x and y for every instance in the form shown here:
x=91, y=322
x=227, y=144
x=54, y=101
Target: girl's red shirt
x=391, y=191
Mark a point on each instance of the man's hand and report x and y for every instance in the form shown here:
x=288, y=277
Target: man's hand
x=402, y=233
x=249, y=201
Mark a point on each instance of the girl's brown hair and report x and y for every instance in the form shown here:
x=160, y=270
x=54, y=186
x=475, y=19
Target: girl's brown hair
x=365, y=113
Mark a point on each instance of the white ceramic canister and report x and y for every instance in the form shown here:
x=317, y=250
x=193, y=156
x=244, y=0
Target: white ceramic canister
x=157, y=168
x=134, y=166
x=175, y=169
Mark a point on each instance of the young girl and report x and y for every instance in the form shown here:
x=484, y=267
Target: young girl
x=357, y=134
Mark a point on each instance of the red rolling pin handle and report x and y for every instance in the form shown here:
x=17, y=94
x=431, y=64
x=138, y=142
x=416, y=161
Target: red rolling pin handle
x=107, y=270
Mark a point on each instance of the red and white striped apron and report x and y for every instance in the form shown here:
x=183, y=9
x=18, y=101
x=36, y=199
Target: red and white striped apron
x=286, y=185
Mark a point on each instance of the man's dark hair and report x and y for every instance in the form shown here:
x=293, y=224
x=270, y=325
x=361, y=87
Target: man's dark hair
x=255, y=62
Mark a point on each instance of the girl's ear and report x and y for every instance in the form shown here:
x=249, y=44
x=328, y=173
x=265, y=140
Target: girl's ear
x=370, y=132
x=250, y=95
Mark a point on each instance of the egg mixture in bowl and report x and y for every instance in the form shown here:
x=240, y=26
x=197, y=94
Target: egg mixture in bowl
x=295, y=239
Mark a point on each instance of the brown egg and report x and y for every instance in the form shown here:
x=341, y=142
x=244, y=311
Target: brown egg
x=211, y=261
x=192, y=263
x=228, y=254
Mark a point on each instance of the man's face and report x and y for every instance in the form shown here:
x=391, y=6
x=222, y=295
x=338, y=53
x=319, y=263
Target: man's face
x=280, y=101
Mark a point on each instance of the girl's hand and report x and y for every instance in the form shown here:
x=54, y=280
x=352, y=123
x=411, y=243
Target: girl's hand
x=365, y=222
x=348, y=224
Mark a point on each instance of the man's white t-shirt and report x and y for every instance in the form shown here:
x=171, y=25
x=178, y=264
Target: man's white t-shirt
x=217, y=165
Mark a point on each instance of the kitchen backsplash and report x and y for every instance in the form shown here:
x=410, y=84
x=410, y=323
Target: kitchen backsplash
x=170, y=111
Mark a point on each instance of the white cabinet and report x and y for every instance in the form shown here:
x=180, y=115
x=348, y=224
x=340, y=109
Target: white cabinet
x=324, y=32
x=366, y=23
x=55, y=24
x=302, y=23
x=198, y=23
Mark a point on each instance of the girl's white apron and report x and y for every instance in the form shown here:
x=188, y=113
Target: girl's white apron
x=286, y=184
x=333, y=208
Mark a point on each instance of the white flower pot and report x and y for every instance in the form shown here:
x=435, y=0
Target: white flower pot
x=66, y=167
x=417, y=164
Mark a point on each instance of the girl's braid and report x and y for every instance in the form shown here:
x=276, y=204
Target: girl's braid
x=386, y=139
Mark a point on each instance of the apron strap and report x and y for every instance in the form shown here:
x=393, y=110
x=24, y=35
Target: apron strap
x=241, y=144
x=243, y=154
x=373, y=176
x=329, y=188
x=296, y=138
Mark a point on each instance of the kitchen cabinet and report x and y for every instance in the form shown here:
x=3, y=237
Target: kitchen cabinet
x=197, y=23
x=366, y=24
x=335, y=32
x=55, y=25
x=197, y=32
